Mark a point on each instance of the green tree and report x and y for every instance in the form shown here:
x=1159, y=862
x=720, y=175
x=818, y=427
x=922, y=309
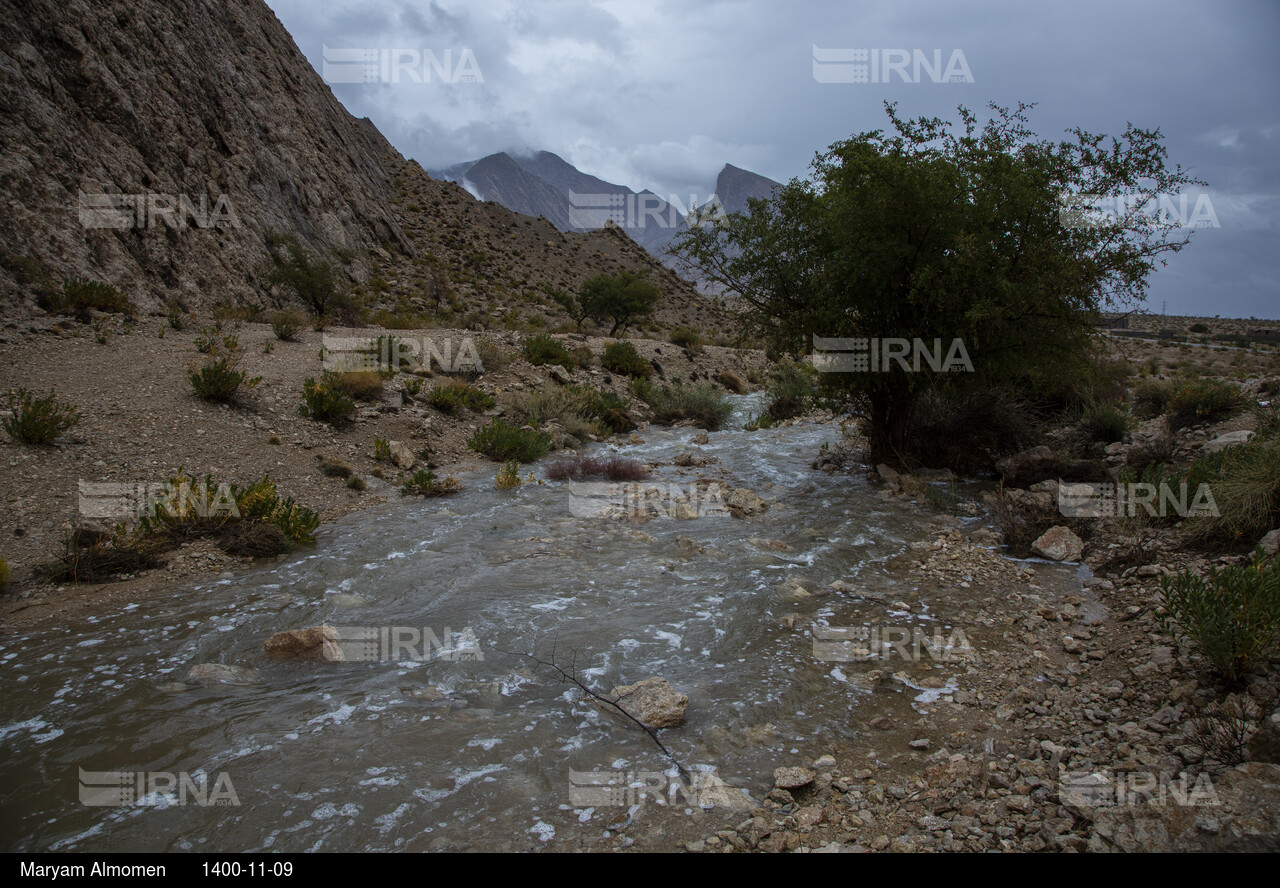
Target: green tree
x=312, y=279
x=623, y=298
x=937, y=235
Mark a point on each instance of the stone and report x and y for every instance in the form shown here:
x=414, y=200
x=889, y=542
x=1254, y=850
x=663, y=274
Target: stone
x=1230, y=439
x=742, y=503
x=316, y=643
x=793, y=778
x=1246, y=818
x=559, y=374
x=652, y=702
x=402, y=456
x=1271, y=543
x=700, y=438
x=1058, y=543
x=1264, y=746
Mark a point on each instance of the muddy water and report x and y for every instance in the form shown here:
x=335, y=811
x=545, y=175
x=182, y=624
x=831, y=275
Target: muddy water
x=461, y=747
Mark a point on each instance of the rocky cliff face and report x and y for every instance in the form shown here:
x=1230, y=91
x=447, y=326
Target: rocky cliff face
x=208, y=103
x=155, y=145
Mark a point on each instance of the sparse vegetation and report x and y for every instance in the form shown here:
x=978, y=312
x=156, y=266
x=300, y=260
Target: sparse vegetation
x=425, y=483
x=80, y=295
x=622, y=357
x=38, y=420
x=286, y=325
x=1234, y=614
x=325, y=400
x=220, y=378
x=542, y=349
x=1202, y=400
x=457, y=395
x=704, y=405
x=501, y=441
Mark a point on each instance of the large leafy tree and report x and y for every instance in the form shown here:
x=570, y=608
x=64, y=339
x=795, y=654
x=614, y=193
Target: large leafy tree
x=944, y=233
x=622, y=298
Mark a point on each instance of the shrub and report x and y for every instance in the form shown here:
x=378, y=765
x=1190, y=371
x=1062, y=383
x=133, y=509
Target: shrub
x=492, y=357
x=583, y=356
x=1151, y=398
x=336, y=468
x=542, y=349
x=622, y=357
x=176, y=316
x=325, y=400
x=356, y=483
x=96, y=556
x=456, y=395
x=1245, y=485
x=1103, y=422
x=1234, y=615
x=1202, y=400
x=4, y=575
x=425, y=483
x=286, y=325
x=790, y=389
x=615, y=468
x=362, y=385
x=972, y=432
x=313, y=279
x=688, y=338
x=501, y=441
x=33, y=420
x=381, y=450
x=703, y=404
x=1199, y=328
x=220, y=378
x=508, y=476
x=733, y=382
x=80, y=295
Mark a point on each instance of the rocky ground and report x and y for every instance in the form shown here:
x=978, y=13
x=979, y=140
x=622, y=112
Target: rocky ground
x=142, y=422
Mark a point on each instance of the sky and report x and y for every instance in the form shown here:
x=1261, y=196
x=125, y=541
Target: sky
x=661, y=95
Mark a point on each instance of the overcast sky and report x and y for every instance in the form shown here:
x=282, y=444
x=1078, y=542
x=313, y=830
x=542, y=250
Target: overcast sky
x=661, y=95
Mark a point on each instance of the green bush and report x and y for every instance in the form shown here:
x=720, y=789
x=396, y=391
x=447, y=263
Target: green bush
x=33, y=420
x=1203, y=400
x=455, y=395
x=687, y=337
x=1199, y=328
x=790, y=389
x=622, y=357
x=1103, y=422
x=425, y=483
x=325, y=400
x=1245, y=485
x=704, y=404
x=381, y=450
x=542, y=349
x=80, y=295
x=501, y=441
x=4, y=575
x=1151, y=398
x=220, y=378
x=1234, y=615
x=286, y=325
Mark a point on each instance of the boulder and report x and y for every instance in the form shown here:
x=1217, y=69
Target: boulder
x=742, y=503
x=793, y=778
x=652, y=702
x=402, y=456
x=1246, y=817
x=1271, y=542
x=316, y=643
x=1264, y=746
x=1230, y=439
x=559, y=374
x=1058, y=543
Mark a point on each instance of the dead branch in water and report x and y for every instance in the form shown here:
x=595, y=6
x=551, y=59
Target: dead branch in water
x=571, y=676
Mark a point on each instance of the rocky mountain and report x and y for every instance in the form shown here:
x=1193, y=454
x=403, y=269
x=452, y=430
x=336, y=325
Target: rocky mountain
x=582, y=202
x=158, y=147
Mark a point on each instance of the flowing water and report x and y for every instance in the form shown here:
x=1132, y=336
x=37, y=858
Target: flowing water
x=463, y=747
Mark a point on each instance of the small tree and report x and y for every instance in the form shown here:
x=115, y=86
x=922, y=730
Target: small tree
x=623, y=298
x=312, y=279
